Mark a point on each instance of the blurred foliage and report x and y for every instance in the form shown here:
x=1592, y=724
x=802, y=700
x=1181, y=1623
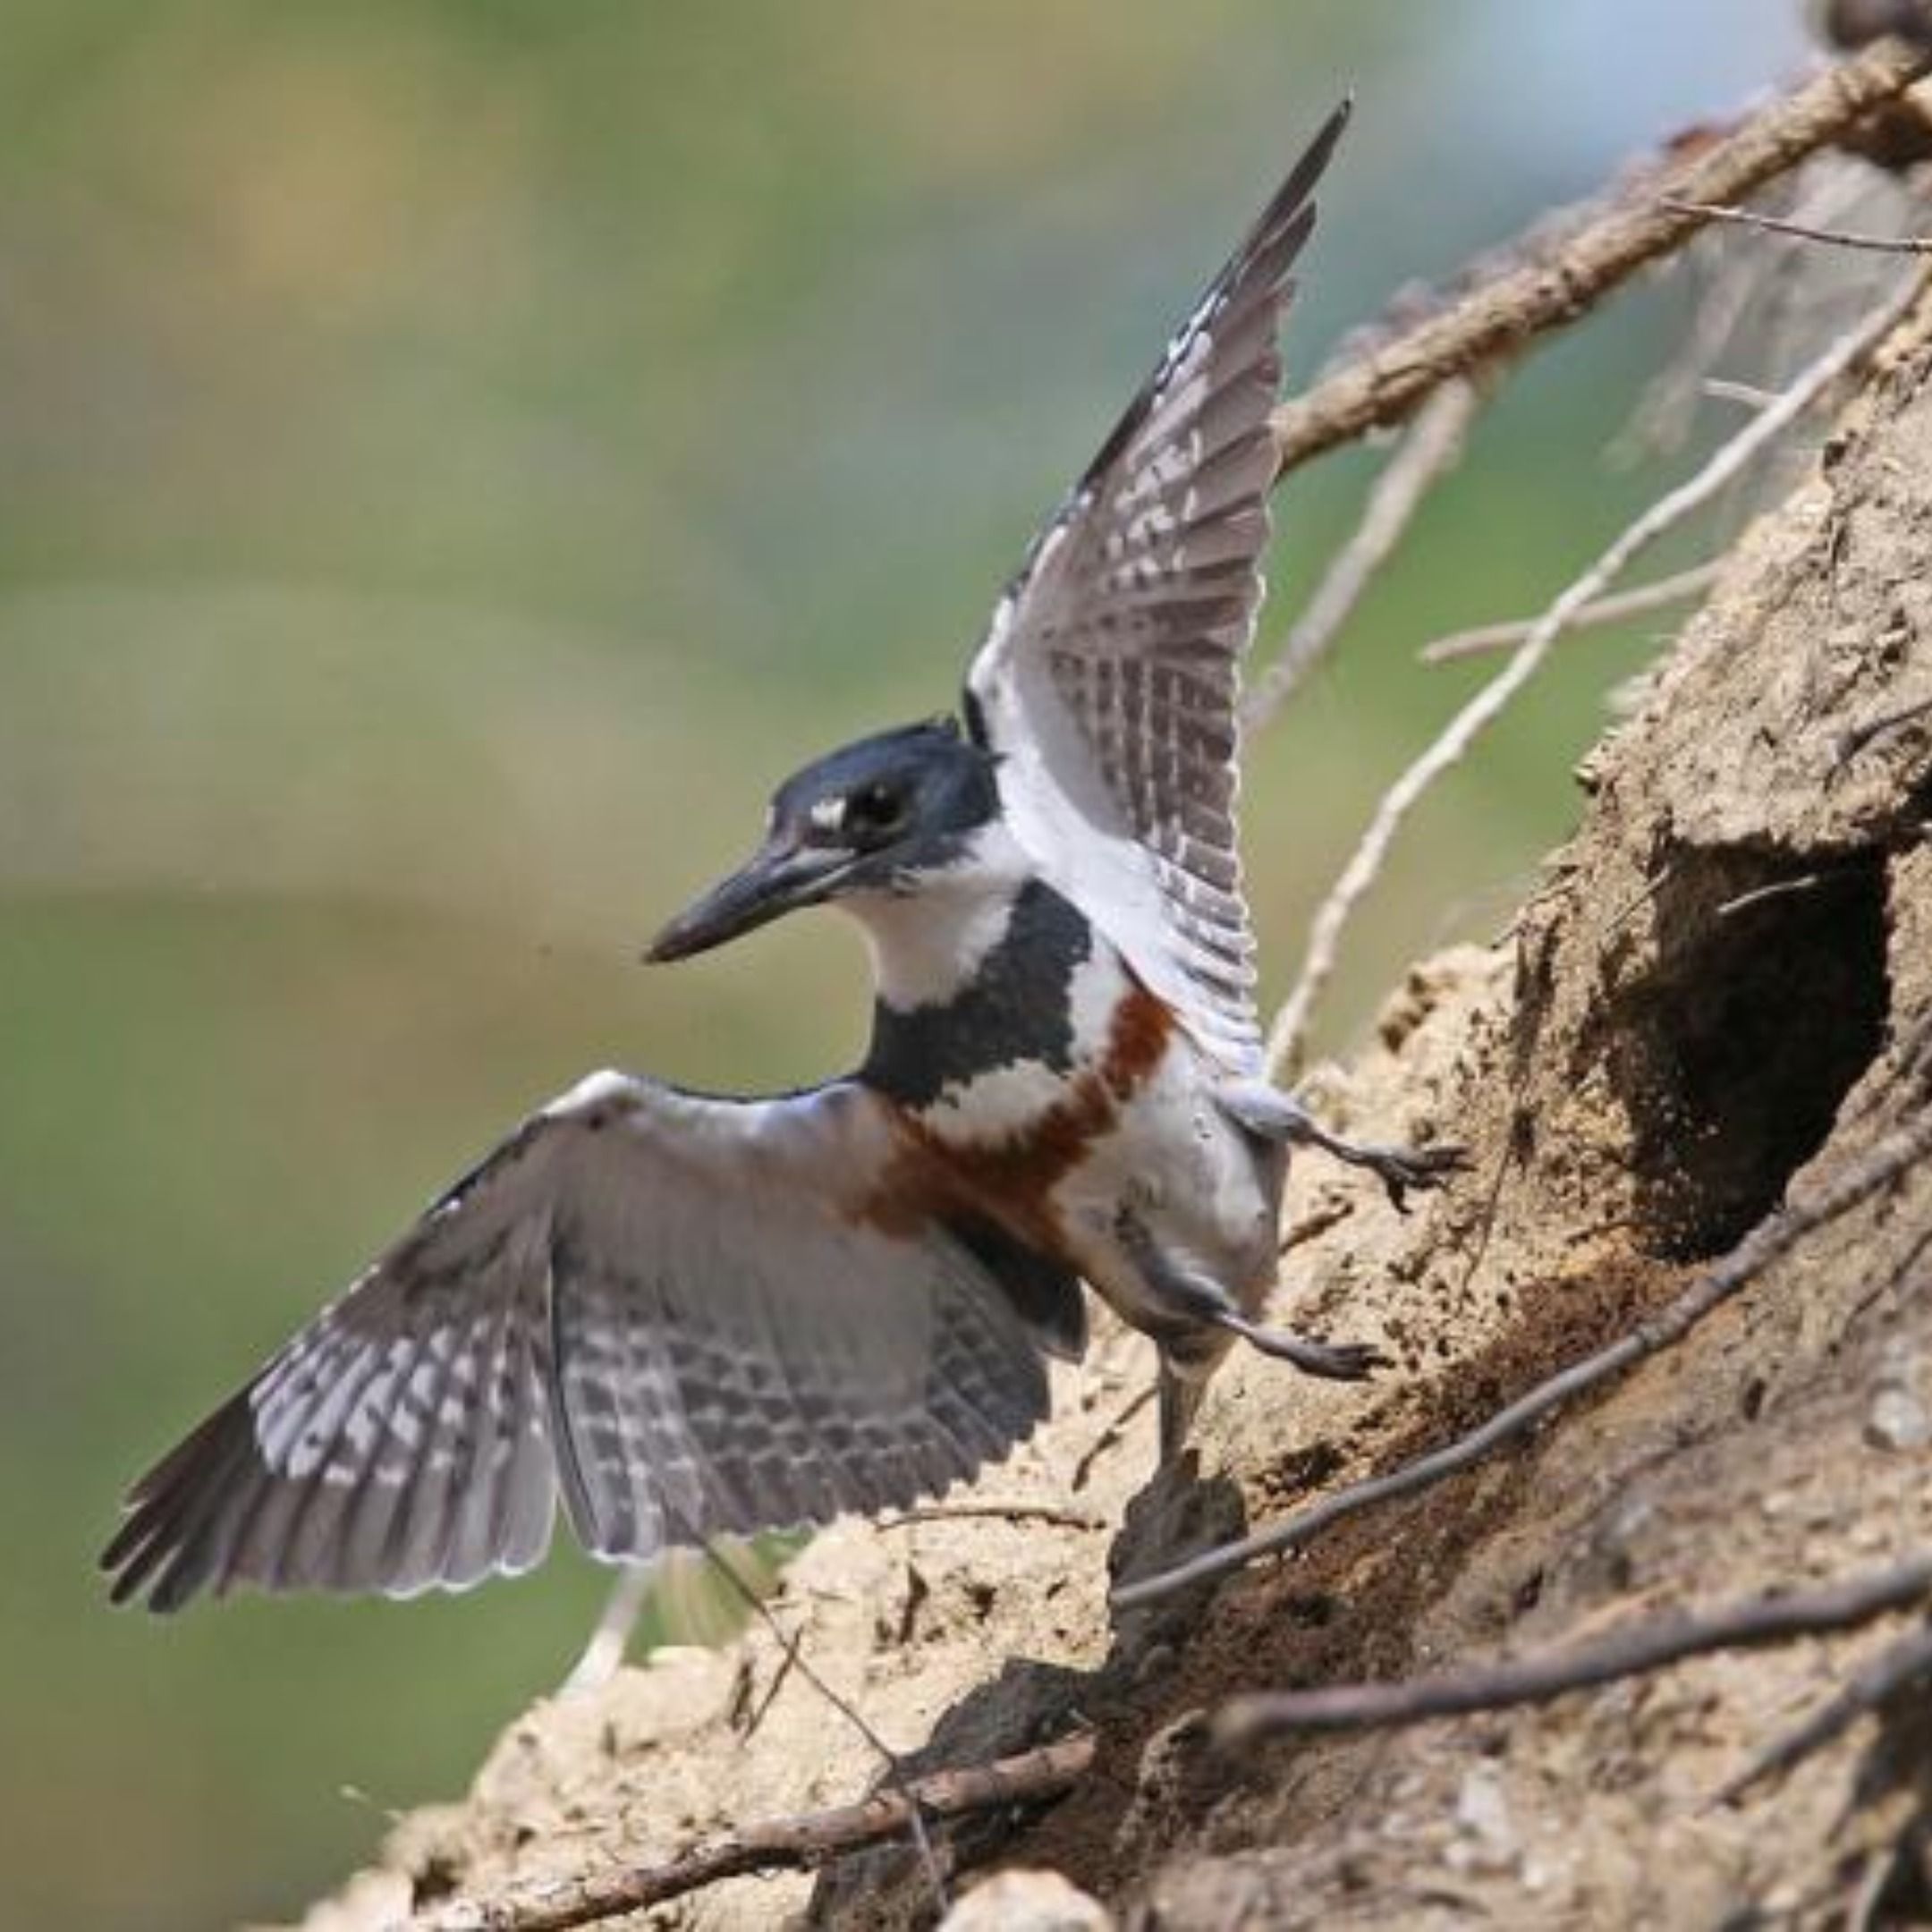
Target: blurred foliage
x=457, y=453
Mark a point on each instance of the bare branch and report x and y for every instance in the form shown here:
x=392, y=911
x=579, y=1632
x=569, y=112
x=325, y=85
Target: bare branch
x=1499, y=317
x=1638, y=602
x=1286, y=1038
x=1779, y=224
x=794, y=1660
x=1428, y=452
x=1646, y=1644
x=1769, y=1240
x=801, y=1841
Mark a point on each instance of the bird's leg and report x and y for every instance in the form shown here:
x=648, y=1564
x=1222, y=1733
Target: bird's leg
x=1274, y=1115
x=1180, y=1395
x=1209, y=1305
x=1196, y=1313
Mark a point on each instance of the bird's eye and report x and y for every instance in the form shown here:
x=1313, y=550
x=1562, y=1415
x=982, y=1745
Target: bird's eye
x=874, y=811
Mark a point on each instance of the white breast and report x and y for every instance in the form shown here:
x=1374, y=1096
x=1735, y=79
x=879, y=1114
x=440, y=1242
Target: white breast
x=927, y=945
x=1206, y=1193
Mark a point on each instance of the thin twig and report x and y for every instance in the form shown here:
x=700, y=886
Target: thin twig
x=800, y=1842
x=1298, y=1233
x=1765, y=1244
x=1780, y=224
x=1645, y=1645
x=1777, y=889
x=1637, y=602
x=1881, y=1864
x=1112, y=1434
x=1452, y=744
x=1045, y=1512
x=1745, y=283
x=1504, y=313
x=1427, y=453
x=780, y=1677
x=915, y=1823
x=1875, y=1685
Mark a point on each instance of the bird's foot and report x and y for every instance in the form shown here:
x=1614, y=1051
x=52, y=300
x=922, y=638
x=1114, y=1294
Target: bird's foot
x=1279, y=1116
x=1400, y=1168
x=1334, y=1362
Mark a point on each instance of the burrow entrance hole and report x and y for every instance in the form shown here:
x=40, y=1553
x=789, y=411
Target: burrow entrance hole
x=1765, y=1002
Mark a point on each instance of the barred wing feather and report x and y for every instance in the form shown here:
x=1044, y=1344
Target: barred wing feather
x=1107, y=682
x=672, y=1310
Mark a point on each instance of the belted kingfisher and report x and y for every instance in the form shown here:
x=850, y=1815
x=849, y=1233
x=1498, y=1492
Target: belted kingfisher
x=694, y=1316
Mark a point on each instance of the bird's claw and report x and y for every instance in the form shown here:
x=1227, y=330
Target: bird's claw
x=1334, y=1362
x=1265, y=1110
x=1340, y=1361
x=1400, y=1169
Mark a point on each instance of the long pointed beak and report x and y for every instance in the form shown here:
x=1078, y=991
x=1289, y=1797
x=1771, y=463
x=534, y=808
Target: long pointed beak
x=777, y=879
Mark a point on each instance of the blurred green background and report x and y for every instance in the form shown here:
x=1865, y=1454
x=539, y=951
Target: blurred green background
x=455, y=454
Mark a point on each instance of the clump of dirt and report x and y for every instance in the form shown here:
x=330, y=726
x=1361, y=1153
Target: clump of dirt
x=1720, y=996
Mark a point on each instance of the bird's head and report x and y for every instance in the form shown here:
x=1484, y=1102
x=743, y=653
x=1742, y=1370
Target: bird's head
x=874, y=817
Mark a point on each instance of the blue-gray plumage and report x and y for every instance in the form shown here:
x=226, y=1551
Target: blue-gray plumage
x=686, y=1315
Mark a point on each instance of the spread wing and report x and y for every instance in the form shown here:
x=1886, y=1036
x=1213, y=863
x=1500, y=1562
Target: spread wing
x=1108, y=678
x=677, y=1311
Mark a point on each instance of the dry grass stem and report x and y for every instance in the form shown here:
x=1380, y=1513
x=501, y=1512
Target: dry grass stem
x=1425, y=455
x=1484, y=640
x=1800, y=231
x=1286, y=1037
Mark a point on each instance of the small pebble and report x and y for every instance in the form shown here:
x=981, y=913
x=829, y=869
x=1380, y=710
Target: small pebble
x=1027, y=1901
x=1491, y=1841
x=1897, y=1420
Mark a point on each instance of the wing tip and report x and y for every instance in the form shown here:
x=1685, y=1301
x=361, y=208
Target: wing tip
x=161, y=1550
x=1292, y=212
x=1339, y=116
x=1319, y=151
